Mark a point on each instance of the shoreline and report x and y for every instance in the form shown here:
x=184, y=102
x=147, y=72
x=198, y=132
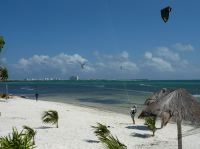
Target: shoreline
x=96, y=108
x=75, y=130
x=116, y=108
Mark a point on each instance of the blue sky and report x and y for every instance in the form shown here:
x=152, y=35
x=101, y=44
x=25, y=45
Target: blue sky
x=50, y=38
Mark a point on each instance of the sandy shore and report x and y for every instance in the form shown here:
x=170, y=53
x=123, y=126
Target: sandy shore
x=75, y=130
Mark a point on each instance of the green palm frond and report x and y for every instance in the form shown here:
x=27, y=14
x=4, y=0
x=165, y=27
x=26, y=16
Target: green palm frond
x=16, y=140
x=50, y=117
x=151, y=124
x=112, y=143
x=3, y=74
x=103, y=134
x=2, y=43
x=101, y=130
x=30, y=132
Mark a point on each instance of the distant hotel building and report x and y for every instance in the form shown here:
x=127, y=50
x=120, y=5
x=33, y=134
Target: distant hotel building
x=74, y=78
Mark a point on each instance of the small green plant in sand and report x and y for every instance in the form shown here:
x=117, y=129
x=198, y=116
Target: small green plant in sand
x=111, y=142
x=30, y=132
x=106, y=138
x=151, y=124
x=4, y=96
x=50, y=117
x=101, y=130
x=16, y=140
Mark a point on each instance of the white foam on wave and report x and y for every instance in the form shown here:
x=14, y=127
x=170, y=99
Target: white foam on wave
x=145, y=84
x=27, y=88
x=196, y=95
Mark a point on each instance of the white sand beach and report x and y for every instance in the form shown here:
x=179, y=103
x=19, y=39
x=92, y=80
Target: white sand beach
x=75, y=130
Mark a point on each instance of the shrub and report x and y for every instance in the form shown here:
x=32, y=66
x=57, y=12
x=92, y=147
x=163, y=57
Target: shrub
x=16, y=140
x=5, y=96
x=101, y=130
x=106, y=138
x=51, y=117
x=30, y=132
x=111, y=142
x=151, y=122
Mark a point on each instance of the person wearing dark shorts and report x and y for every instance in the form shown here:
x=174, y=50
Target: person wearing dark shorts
x=36, y=96
x=133, y=112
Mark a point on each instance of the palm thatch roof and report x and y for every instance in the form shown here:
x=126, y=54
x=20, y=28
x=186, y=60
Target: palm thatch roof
x=180, y=104
x=158, y=95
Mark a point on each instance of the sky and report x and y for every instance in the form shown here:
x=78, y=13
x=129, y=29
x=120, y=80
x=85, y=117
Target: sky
x=115, y=39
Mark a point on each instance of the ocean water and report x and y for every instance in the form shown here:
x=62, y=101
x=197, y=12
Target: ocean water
x=116, y=96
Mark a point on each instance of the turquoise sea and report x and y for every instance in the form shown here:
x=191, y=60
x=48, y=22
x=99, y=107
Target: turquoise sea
x=112, y=95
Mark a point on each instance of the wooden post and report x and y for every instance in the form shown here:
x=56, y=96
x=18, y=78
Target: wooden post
x=179, y=132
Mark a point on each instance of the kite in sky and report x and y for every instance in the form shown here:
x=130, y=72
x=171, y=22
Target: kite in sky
x=165, y=13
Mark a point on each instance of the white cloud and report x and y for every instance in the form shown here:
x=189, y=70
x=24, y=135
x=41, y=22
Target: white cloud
x=64, y=65
x=148, y=55
x=162, y=62
x=184, y=47
x=130, y=66
x=165, y=60
x=167, y=54
x=61, y=64
x=115, y=62
x=58, y=60
x=124, y=55
x=23, y=62
x=157, y=63
x=3, y=60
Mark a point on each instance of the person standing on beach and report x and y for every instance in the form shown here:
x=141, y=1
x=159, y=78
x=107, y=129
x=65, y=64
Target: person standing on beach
x=133, y=112
x=36, y=96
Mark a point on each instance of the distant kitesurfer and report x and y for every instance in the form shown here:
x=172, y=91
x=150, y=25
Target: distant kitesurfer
x=82, y=64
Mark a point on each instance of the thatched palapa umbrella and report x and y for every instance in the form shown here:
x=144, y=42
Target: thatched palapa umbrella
x=179, y=105
x=158, y=95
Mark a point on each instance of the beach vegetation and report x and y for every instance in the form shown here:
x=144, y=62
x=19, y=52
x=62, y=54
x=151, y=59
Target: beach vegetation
x=2, y=43
x=151, y=124
x=3, y=73
x=16, y=140
x=50, y=117
x=179, y=105
x=112, y=142
x=101, y=130
x=30, y=132
x=104, y=135
x=3, y=95
x=3, y=70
